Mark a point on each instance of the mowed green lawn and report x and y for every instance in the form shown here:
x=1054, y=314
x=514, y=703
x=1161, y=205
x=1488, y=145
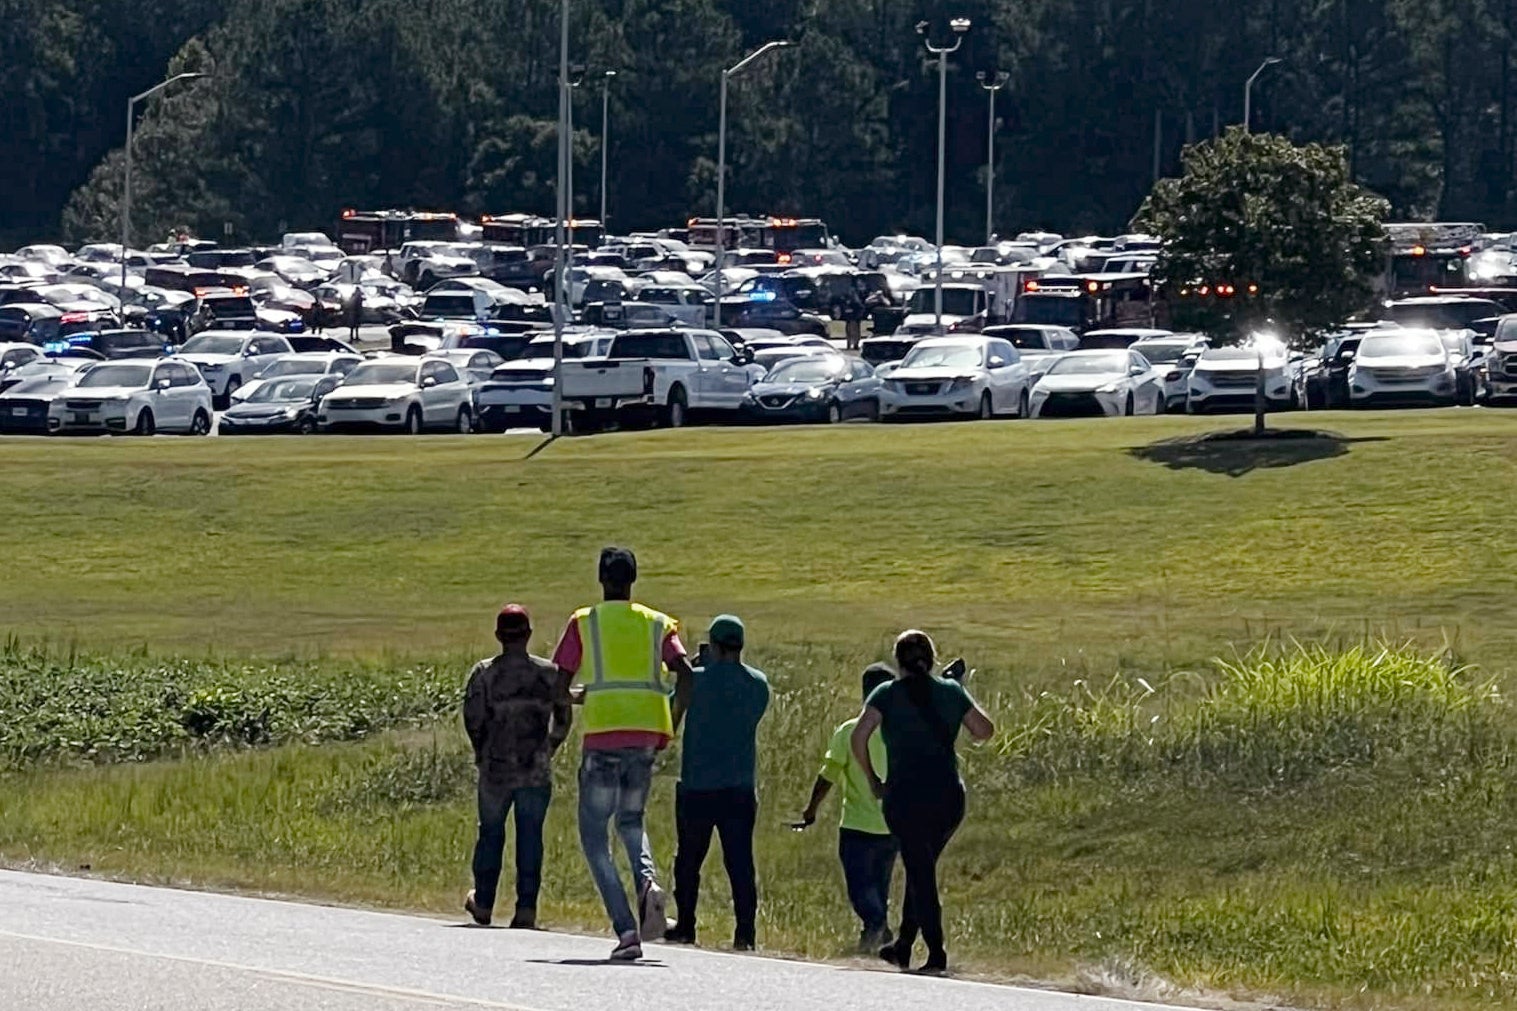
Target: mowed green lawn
x=1046, y=553
x=1036, y=548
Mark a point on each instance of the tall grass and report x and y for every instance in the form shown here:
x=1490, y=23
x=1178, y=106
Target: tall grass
x=1271, y=718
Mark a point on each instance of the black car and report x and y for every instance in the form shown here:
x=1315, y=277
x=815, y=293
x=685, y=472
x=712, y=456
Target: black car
x=771, y=315
x=30, y=323
x=279, y=406
x=113, y=344
x=825, y=388
x=1326, y=375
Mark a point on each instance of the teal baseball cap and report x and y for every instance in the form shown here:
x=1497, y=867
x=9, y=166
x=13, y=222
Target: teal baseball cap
x=727, y=630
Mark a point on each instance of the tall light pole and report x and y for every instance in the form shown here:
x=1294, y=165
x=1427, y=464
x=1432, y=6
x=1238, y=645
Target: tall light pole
x=992, y=82
x=561, y=259
x=958, y=26
x=126, y=189
x=576, y=78
x=605, y=140
x=1248, y=93
x=721, y=164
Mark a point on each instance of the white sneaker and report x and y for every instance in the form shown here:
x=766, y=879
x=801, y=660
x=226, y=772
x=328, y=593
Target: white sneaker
x=628, y=948
x=653, y=911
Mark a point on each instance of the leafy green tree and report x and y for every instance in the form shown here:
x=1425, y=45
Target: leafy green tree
x=1262, y=233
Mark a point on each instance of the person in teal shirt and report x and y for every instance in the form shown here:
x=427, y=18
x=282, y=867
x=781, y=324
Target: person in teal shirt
x=716, y=791
x=866, y=848
x=919, y=715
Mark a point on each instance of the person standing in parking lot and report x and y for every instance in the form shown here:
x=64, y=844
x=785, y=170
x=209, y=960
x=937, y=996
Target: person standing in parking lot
x=517, y=715
x=620, y=651
x=919, y=716
x=352, y=312
x=717, y=790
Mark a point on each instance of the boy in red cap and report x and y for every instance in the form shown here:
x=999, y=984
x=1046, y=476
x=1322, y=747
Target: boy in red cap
x=516, y=715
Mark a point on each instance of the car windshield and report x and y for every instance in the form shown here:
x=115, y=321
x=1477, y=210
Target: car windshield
x=1161, y=354
x=1089, y=365
x=807, y=370
x=956, y=301
x=382, y=374
x=283, y=391
x=208, y=345
x=117, y=375
x=294, y=367
x=1026, y=338
x=951, y=356
x=544, y=349
x=1396, y=345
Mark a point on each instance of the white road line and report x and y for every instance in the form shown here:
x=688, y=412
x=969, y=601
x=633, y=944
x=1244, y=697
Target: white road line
x=304, y=979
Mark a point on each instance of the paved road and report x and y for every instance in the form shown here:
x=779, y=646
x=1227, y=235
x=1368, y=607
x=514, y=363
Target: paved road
x=68, y=943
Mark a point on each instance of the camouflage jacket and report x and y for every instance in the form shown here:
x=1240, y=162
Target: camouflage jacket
x=515, y=719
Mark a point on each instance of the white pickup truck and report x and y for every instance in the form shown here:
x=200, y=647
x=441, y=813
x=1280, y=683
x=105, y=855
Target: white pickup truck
x=659, y=377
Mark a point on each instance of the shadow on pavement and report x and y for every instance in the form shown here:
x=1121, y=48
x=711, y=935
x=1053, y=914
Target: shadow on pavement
x=1237, y=453
x=643, y=964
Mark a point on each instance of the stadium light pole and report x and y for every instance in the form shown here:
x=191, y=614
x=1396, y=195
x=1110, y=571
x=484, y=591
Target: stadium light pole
x=958, y=26
x=1248, y=93
x=126, y=188
x=605, y=141
x=560, y=259
x=992, y=82
x=721, y=162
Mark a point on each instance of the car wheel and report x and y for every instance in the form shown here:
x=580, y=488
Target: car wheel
x=306, y=426
x=145, y=424
x=1024, y=405
x=200, y=424
x=1127, y=408
x=465, y=422
x=834, y=413
x=676, y=415
x=413, y=421
x=987, y=407
x=874, y=410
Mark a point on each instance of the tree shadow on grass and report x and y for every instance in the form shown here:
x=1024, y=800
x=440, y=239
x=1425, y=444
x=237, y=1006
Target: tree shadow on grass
x=1237, y=453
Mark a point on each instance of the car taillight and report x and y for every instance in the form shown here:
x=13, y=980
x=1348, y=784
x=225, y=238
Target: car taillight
x=75, y=317
x=647, y=382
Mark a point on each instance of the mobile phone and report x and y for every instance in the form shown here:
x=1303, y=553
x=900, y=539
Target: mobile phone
x=702, y=654
x=956, y=669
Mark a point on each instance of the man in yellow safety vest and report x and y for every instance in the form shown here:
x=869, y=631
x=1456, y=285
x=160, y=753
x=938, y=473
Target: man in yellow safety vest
x=620, y=651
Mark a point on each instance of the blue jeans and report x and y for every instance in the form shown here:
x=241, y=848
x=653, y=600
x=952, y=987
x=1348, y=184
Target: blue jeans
x=495, y=802
x=868, y=865
x=615, y=784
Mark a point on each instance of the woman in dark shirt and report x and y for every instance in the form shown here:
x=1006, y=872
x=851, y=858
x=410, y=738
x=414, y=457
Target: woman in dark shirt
x=919, y=715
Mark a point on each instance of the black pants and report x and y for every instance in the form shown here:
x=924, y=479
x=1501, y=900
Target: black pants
x=868, y=865
x=730, y=813
x=923, y=818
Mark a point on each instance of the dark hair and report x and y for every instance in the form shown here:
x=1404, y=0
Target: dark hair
x=618, y=566
x=877, y=674
x=915, y=655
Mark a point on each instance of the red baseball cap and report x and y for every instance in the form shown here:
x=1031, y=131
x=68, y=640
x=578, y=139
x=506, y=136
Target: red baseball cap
x=513, y=618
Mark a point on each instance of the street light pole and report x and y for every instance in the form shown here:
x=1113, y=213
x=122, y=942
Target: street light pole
x=605, y=141
x=959, y=27
x=575, y=80
x=991, y=82
x=126, y=188
x=1248, y=93
x=721, y=165
x=561, y=259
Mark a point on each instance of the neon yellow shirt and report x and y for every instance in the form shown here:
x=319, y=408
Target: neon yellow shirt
x=861, y=810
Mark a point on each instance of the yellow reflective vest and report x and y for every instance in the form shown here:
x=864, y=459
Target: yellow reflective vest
x=623, y=668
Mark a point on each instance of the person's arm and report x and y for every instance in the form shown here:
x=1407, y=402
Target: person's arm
x=684, y=683
x=819, y=791
x=476, y=712
x=869, y=723
x=568, y=657
x=563, y=714
x=977, y=722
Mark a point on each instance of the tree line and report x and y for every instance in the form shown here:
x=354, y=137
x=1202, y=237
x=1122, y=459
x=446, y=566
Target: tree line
x=315, y=105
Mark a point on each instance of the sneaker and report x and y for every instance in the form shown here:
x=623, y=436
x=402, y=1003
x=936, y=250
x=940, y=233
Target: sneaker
x=525, y=919
x=481, y=916
x=629, y=948
x=893, y=954
x=679, y=934
x=742, y=942
x=936, y=965
x=874, y=940
x=653, y=911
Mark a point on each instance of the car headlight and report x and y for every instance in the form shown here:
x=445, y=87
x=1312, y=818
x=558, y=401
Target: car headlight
x=815, y=393
x=1110, y=388
x=291, y=413
x=210, y=368
x=960, y=385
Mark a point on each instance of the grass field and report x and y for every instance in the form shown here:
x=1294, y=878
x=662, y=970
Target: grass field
x=1066, y=560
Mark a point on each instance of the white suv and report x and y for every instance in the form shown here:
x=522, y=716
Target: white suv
x=1402, y=367
x=229, y=358
x=141, y=397
x=408, y=394
x=967, y=376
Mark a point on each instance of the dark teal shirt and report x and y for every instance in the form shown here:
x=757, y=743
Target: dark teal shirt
x=920, y=732
x=727, y=701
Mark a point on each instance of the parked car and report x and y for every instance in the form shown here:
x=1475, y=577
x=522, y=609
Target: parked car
x=136, y=397
x=403, y=394
x=1098, y=384
x=1500, y=362
x=688, y=303
x=30, y=322
x=26, y=401
x=67, y=368
x=423, y=264
x=1039, y=345
x=822, y=388
x=110, y=345
x=1325, y=374
x=228, y=359
x=1173, y=358
x=337, y=364
x=296, y=270
x=1402, y=367
x=15, y=355
x=657, y=376
x=519, y=393
x=1225, y=379
x=968, y=376
x=286, y=404
x=776, y=315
